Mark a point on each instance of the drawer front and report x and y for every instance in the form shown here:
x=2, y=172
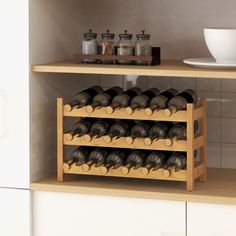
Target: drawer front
x=15, y=212
x=88, y=215
x=211, y=219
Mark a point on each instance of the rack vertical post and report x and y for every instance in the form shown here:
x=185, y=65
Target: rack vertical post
x=190, y=147
x=60, y=143
x=203, y=148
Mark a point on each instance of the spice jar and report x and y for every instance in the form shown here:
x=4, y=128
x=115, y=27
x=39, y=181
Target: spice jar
x=143, y=46
x=125, y=47
x=90, y=46
x=107, y=45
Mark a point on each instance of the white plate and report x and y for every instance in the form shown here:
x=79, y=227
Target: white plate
x=208, y=63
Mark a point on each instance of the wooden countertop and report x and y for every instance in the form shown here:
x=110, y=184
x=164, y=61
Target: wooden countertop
x=220, y=187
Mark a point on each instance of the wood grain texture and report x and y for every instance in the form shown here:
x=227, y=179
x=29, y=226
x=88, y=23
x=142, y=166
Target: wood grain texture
x=180, y=145
x=220, y=187
x=203, y=149
x=190, y=147
x=173, y=68
x=60, y=132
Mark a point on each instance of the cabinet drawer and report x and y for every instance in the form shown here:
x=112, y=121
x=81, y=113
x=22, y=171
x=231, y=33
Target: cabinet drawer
x=15, y=212
x=211, y=219
x=88, y=215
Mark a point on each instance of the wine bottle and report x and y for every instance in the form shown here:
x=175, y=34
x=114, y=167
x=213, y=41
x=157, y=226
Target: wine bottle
x=78, y=156
x=83, y=98
x=123, y=100
x=134, y=161
x=142, y=100
x=160, y=101
x=176, y=162
x=180, y=101
x=98, y=129
x=104, y=99
x=117, y=130
x=156, y=132
x=154, y=161
x=139, y=130
x=179, y=132
x=79, y=129
x=96, y=158
x=113, y=161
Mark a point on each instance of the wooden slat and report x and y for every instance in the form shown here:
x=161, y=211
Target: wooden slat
x=167, y=68
x=180, y=116
x=190, y=147
x=203, y=149
x=220, y=187
x=177, y=176
x=60, y=131
x=138, y=143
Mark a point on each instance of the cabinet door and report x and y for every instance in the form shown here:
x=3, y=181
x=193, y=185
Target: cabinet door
x=14, y=94
x=211, y=219
x=15, y=212
x=88, y=215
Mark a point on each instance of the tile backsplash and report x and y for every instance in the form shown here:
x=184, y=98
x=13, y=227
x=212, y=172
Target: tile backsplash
x=221, y=109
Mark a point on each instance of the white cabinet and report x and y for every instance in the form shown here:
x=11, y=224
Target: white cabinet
x=88, y=215
x=14, y=94
x=211, y=219
x=14, y=212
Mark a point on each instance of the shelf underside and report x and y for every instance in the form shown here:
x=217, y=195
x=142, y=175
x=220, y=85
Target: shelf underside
x=167, y=68
x=219, y=188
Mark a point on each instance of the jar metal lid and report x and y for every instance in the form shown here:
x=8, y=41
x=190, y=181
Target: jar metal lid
x=90, y=35
x=108, y=35
x=125, y=35
x=143, y=35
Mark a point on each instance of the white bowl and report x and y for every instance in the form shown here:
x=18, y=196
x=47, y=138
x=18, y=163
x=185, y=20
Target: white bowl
x=221, y=44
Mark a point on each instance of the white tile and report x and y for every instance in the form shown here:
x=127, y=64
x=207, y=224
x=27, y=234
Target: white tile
x=213, y=155
x=228, y=85
x=228, y=105
x=213, y=130
x=208, y=85
x=161, y=83
x=213, y=103
x=111, y=80
x=133, y=80
x=228, y=153
x=184, y=83
x=228, y=130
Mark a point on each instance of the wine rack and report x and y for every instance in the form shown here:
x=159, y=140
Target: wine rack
x=194, y=170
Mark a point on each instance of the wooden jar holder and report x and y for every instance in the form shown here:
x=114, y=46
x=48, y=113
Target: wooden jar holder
x=153, y=60
x=194, y=170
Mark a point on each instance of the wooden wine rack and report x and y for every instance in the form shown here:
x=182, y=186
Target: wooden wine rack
x=194, y=170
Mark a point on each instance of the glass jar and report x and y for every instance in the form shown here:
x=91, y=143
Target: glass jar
x=125, y=47
x=143, y=47
x=107, y=45
x=90, y=46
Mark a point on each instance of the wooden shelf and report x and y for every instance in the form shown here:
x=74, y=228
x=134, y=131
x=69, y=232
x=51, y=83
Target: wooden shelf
x=167, y=68
x=220, y=187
